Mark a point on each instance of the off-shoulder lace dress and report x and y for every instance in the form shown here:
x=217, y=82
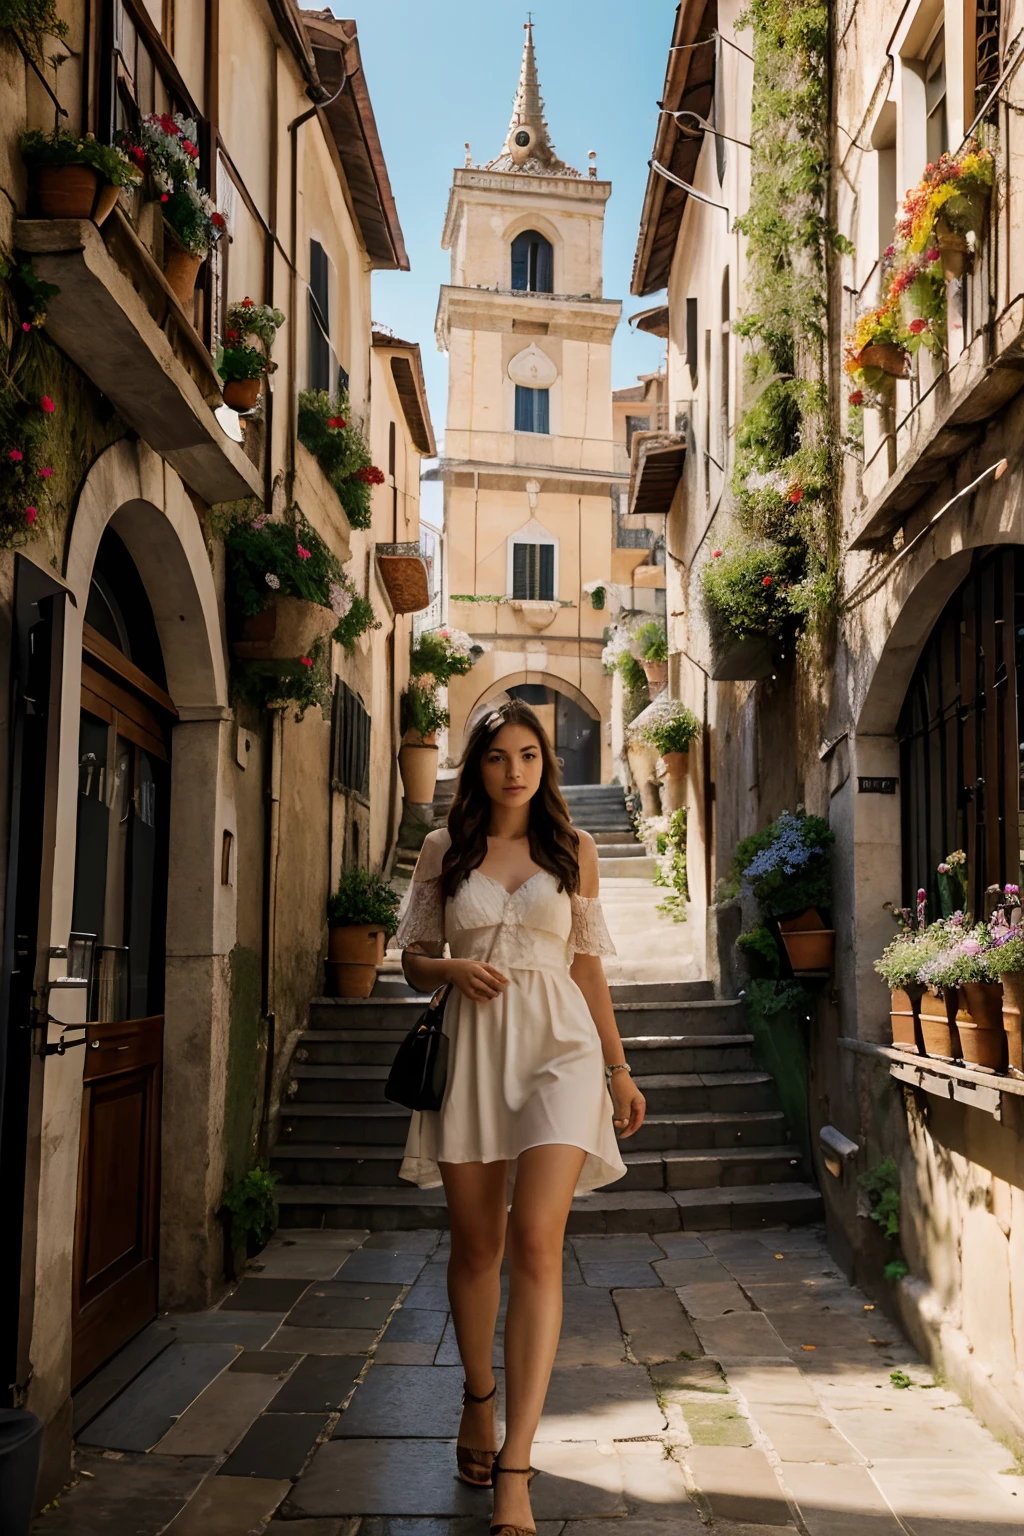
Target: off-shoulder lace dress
x=525, y=1069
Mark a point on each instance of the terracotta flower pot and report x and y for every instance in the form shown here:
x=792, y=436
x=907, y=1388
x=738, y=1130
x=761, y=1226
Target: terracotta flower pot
x=242, y=394
x=643, y=759
x=350, y=979
x=656, y=673
x=954, y=253
x=74, y=192
x=888, y=356
x=980, y=1025
x=356, y=944
x=809, y=944
x=287, y=628
x=1013, y=1014
x=938, y=1026
x=905, y=1016
x=181, y=269
x=673, y=785
x=418, y=767
x=415, y=739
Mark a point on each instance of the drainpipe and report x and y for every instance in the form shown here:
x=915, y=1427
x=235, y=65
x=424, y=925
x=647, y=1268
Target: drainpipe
x=271, y=861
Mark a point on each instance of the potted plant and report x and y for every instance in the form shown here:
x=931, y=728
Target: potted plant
x=651, y=641
x=422, y=717
x=361, y=915
x=788, y=870
x=74, y=176
x=241, y=365
x=961, y=974
x=670, y=731
x=745, y=588
x=165, y=150
x=327, y=427
x=287, y=592
x=899, y=964
x=1006, y=960
x=877, y=348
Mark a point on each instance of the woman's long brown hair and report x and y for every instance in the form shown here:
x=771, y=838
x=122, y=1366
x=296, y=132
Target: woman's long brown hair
x=554, y=841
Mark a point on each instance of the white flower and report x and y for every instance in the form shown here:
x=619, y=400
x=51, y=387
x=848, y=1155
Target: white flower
x=340, y=598
x=272, y=581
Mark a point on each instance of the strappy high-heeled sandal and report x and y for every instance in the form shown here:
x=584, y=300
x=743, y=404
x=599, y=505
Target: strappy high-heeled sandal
x=504, y=1529
x=474, y=1465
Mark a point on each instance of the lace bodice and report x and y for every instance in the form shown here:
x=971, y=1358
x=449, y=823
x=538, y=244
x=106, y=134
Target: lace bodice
x=536, y=926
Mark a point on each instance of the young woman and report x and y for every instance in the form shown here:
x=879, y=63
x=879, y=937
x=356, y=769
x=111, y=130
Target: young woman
x=511, y=887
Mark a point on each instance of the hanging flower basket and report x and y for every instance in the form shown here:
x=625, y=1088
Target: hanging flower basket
x=285, y=629
x=954, y=250
x=888, y=356
x=242, y=394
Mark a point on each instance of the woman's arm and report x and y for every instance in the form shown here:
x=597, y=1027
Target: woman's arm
x=474, y=978
x=587, y=972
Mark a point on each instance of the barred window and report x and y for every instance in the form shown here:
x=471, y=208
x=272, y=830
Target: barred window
x=350, y=741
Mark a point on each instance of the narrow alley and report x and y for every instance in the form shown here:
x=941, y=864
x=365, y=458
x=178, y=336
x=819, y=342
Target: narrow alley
x=729, y=1381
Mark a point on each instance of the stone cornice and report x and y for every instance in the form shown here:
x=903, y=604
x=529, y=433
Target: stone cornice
x=570, y=316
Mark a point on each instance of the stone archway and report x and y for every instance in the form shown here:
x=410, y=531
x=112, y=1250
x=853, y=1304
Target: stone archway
x=132, y=490
x=572, y=722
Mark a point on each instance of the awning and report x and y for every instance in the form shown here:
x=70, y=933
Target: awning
x=655, y=469
x=653, y=321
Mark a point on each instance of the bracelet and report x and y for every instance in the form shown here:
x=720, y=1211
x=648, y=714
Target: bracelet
x=620, y=1066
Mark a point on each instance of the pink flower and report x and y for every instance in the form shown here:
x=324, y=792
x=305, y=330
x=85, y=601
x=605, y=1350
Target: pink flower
x=933, y=254
x=16, y=455
x=917, y=326
x=890, y=251
x=25, y=325
x=970, y=947
x=45, y=472
x=30, y=515
x=767, y=581
x=303, y=554
x=47, y=404
x=307, y=661
x=943, y=869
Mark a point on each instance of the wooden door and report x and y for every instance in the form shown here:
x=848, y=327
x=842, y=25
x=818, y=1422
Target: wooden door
x=120, y=897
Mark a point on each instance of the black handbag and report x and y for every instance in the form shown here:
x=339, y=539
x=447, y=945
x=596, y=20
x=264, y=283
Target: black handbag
x=420, y=1068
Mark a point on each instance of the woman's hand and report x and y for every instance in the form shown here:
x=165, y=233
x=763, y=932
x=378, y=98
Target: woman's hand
x=476, y=980
x=628, y=1104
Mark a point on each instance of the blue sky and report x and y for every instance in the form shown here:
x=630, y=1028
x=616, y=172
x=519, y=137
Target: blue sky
x=442, y=72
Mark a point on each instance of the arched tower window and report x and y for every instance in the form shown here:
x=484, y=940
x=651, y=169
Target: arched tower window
x=532, y=263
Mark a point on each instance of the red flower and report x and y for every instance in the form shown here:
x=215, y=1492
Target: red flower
x=933, y=254
x=47, y=404
x=137, y=153
x=371, y=475
x=247, y=303
x=230, y=335
x=30, y=515
x=218, y=221
x=45, y=472
x=307, y=661
x=164, y=197
x=890, y=252
x=857, y=398
x=168, y=125
x=716, y=554
x=767, y=581
x=917, y=326
x=190, y=149
x=15, y=455
x=337, y=422
x=796, y=495
x=303, y=554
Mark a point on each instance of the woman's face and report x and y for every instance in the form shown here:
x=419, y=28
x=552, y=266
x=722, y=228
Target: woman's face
x=512, y=765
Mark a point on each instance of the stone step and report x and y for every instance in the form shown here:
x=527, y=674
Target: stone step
x=377, y=1017
x=388, y=1210
x=632, y=868
x=368, y=1163
x=669, y=1093
x=623, y=850
x=602, y=839
x=334, y=1051
x=384, y=1125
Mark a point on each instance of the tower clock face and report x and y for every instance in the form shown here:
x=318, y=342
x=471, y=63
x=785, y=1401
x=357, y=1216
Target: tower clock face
x=522, y=138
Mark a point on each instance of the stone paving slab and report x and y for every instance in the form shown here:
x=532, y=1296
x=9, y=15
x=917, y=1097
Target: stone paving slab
x=738, y=1484
x=324, y=1341
x=247, y=1330
x=222, y=1508
x=741, y=1335
x=276, y=1446
x=384, y=1477
x=319, y=1384
x=396, y=1265
x=597, y=1402
x=590, y=1329
x=950, y=1498
x=655, y=1325
x=145, y=1411
x=108, y=1383
x=655, y=1488
x=448, y=1349
x=132, y=1495
x=632, y=1274
x=680, y=1245
x=220, y=1416
x=405, y=1402
x=338, y=1304
x=717, y=1421
x=840, y=1501
x=258, y=1293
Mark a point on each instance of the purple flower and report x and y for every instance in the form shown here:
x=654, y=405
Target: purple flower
x=970, y=947
x=943, y=869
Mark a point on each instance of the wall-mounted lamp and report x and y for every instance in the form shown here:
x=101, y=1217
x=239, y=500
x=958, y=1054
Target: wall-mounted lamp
x=701, y=197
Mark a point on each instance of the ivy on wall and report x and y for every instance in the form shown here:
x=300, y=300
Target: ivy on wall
x=784, y=474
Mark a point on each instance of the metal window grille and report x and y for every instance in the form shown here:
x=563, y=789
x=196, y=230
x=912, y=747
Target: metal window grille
x=350, y=741
x=533, y=571
x=986, y=35
x=960, y=751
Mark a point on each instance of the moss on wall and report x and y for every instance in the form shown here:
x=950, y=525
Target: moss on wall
x=777, y=1019
x=247, y=1049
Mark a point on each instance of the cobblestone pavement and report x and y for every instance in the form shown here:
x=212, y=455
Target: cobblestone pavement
x=732, y=1381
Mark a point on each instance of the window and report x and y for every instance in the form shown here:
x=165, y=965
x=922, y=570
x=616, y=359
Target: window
x=691, y=340
x=883, y=142
x=321, y=355
x=986, y=32
x=532, y=413
x=532, y=263
x=533, y=571
x=350, y=741
x=635, y=424
x=723, y=377
x=935, y=97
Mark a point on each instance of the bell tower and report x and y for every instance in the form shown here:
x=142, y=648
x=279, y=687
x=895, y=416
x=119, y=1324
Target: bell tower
x=529, y=466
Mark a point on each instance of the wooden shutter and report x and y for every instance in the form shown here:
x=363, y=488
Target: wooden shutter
x=541, y=413
x=319, y=319
x=521, y=263
x=546, y=570
x=350, y=729
x=521, y=563
x=544, y=282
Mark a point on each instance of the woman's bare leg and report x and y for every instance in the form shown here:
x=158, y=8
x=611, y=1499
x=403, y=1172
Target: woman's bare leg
x=476, y=1195
x=545, y=1180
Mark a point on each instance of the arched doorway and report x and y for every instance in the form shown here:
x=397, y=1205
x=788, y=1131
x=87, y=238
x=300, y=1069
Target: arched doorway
x=959, y=735
x=574, y=734
x=118, y=924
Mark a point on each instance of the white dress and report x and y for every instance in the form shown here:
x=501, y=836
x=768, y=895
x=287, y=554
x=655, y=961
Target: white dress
x=525, y=1069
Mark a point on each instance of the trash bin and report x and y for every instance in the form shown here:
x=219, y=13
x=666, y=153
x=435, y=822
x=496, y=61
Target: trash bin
x=21, y=1438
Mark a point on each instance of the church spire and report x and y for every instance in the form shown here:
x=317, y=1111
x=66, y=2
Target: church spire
x=528, y=145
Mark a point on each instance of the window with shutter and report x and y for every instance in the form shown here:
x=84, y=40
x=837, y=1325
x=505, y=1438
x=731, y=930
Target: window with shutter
x=532, y=410
x=533, y=571
x=350, y=741
x=532, y=263
x=320, y=356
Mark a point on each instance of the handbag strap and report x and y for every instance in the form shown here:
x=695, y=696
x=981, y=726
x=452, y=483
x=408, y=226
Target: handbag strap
x=444, y=991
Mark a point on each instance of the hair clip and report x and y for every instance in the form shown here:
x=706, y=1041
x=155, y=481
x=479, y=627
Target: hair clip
x=494, y=719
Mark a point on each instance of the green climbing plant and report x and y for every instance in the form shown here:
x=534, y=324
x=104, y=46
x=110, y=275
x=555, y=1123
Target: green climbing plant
x=784, y=478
